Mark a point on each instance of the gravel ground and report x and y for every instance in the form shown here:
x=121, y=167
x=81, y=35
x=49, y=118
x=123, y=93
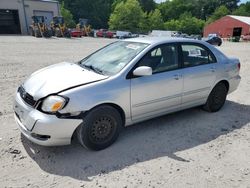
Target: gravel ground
x=191, y=148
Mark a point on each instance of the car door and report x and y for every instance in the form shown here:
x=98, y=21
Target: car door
x=161, y=91
x=199, y=73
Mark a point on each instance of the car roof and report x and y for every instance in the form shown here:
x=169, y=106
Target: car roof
x=160, y=40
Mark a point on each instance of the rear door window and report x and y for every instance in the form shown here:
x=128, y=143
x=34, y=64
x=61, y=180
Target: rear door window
x=195, y=55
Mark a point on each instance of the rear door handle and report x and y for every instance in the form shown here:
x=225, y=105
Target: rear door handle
x=177, y=76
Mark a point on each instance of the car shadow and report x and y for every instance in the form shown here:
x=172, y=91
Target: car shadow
x=159, y=137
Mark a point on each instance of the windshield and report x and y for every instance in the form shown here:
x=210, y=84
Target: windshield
x=112, y=58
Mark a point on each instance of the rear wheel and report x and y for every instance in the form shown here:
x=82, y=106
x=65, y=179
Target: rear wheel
x=100, y=128
x=216, y=98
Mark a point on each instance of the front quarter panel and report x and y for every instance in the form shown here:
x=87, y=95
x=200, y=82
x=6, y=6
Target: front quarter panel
x=112, y=90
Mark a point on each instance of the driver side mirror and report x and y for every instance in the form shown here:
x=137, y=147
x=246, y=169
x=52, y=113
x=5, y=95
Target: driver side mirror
x=142, y=71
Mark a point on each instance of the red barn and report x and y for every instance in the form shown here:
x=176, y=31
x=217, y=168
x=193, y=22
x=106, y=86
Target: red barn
x=229, y=26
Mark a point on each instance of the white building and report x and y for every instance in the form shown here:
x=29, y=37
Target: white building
x=15, y=15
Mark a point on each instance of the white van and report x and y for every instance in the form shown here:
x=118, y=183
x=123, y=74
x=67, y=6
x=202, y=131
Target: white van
x=123, y=34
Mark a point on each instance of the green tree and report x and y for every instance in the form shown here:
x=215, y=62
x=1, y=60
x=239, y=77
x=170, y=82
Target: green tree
x=126, y=16
x=218, y=13
x=201, y=9
x=97, y=11
x=68, y=17
x=173, y=25
x=190, y=24
x=230, y=4
x=147, y=5
x=243, y=10
x=155, y=20
x=115, y=2
x=144, y=24
x=186, y=24
x=173, y=9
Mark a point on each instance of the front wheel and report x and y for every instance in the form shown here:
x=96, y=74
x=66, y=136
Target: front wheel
x=216, y=98
x=100, y=128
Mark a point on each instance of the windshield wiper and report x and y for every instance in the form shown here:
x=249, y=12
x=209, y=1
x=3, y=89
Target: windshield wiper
x=95, y=69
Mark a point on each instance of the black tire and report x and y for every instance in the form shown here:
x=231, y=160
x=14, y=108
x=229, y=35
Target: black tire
x=52, y=32
x=67, y=34
x=47, y=34
x=58, y=33
x=220, y=44
x=216, y=98
x=100, y=128
x=38, y=34
x=32, y=33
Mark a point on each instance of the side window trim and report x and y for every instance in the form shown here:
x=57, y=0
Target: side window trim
x=178, y=47
x=195, y=44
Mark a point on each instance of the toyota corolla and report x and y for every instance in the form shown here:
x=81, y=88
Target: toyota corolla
x=121, y=84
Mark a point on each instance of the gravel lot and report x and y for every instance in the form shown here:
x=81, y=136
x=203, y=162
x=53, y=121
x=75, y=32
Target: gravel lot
x=191, y=148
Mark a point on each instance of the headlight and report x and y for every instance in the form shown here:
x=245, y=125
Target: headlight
x=53, y=103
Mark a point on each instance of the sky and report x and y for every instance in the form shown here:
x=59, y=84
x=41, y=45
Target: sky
x=244, y=1
x=159, y=1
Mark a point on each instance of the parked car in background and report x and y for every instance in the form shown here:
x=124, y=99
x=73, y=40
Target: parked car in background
x=178, y=34
x=126, y=82
x=125, y=35
x=197, y=37
x=104, y=33
x=214, y=40
x=184, y=35
x=245, y=37
x=162, y=33
x=212, y=35
x=76, y=33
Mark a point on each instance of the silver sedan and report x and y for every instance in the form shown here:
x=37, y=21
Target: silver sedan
x=126, y=82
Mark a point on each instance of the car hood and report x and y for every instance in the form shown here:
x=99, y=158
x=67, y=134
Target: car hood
x=58, y=77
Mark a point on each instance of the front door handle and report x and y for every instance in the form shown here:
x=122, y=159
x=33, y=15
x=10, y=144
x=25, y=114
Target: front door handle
x=212, y=69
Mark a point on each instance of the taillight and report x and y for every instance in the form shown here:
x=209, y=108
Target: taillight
x=238, y=66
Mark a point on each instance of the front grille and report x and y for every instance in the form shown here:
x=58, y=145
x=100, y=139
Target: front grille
x=26, y=96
